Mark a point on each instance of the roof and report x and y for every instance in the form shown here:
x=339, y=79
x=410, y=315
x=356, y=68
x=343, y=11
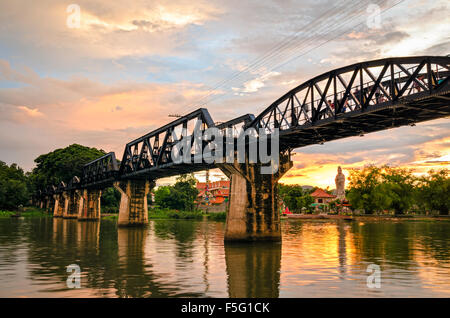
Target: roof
x=214, y=185
x=319, y=193
x=223, y=192
x=218, y=200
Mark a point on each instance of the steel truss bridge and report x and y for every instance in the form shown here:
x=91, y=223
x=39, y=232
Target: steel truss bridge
x=349, y=101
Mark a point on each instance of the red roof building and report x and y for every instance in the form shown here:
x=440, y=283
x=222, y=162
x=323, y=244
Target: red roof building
x=219, y=191
x=321, y=196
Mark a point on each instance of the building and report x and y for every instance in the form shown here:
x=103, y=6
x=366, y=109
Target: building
x=322, y=197
x=213, y=196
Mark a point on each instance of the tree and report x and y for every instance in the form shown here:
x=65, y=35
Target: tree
x=364, y=185
x=295, y=197
x=13, y=186
x=398, y=185
x=162, y=196
x=305, y=201
x=433, y=191
x=110, y=200
x=61, y=165
x=379, y=189
x=180, y=196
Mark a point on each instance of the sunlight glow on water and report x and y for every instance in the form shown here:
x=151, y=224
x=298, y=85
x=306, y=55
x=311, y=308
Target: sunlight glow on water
x=186, y=258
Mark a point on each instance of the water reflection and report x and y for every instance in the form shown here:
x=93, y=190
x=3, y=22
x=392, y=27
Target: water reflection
x=188, y=258
x=253, y=270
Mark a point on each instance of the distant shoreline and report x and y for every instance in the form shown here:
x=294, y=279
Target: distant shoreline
x=366, y=217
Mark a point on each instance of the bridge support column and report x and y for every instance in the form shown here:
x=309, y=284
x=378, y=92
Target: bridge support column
x=133, y=201
x=90, y=205
x=48, y=203
x=73, y=204
x=58, y=209
x=66, y=202
x=253, y=205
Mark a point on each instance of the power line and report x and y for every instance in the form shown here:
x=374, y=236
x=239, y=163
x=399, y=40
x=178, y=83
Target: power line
x=275, y=49
x=273, y=52
x=311, y=38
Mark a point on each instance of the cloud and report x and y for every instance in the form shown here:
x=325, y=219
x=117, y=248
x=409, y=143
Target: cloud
x=254, y=85
x=31, y=112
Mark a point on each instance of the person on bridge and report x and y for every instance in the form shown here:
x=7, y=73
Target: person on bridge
x=331, y=104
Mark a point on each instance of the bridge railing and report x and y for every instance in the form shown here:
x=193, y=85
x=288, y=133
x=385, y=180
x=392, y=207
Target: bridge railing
x=100, y=171
x=355, y=88
x=153, y=150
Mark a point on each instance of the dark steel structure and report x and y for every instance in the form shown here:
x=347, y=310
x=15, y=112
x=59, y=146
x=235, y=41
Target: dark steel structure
x=150, y=156
x=349, y=101
x=100, y=173
x=360, y=98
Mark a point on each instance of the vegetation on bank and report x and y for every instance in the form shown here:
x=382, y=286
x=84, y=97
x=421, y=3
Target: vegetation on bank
x=180, y=196
x=382, y=190
x=28, y=212
x=296, y=198
x=175, y=214
x=371, y=190
x=218, y=216
x=168, y=214
x=398, y=191
x=14, y=187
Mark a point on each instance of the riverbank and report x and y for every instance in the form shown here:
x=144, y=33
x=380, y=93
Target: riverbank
x=159, y=214
x=368, y=217
x=27, y=212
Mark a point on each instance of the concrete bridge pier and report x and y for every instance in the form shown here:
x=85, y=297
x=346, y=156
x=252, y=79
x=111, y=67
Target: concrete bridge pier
x=66, y=201
x=73, y=202
x=49, y=204
x=253, y=205
x=133, y=209
x=90, y=205
x=58, y=207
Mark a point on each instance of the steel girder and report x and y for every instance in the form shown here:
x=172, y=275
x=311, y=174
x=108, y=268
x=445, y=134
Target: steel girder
x=360, y=98
x=101, y=172
x=150, y=155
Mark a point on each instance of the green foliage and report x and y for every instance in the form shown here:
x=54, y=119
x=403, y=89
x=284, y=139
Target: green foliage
x=34, y=212
x=434, y=191
x=362, y=191
x=174, y=214
x=376, y=189
x=13, y=186
x=61, y=165
x=219, y=216
x=180, y=196
x=295, y=197
x=110, y=200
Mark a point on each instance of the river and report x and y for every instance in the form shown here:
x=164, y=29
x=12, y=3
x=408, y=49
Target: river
x=175, y=258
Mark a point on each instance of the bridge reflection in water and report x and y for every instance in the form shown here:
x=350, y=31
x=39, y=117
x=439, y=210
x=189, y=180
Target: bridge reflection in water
x=186, y=258
x=253, y=270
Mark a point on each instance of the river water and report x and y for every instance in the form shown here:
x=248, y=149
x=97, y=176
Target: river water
x=174, y=258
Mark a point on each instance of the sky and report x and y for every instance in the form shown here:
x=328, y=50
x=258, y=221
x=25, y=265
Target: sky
x=102, y=73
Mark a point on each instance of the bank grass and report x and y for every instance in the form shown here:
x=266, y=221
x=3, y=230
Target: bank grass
x=110, y=216
x=217, y=216
x=158, y=213
x=27, y=212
